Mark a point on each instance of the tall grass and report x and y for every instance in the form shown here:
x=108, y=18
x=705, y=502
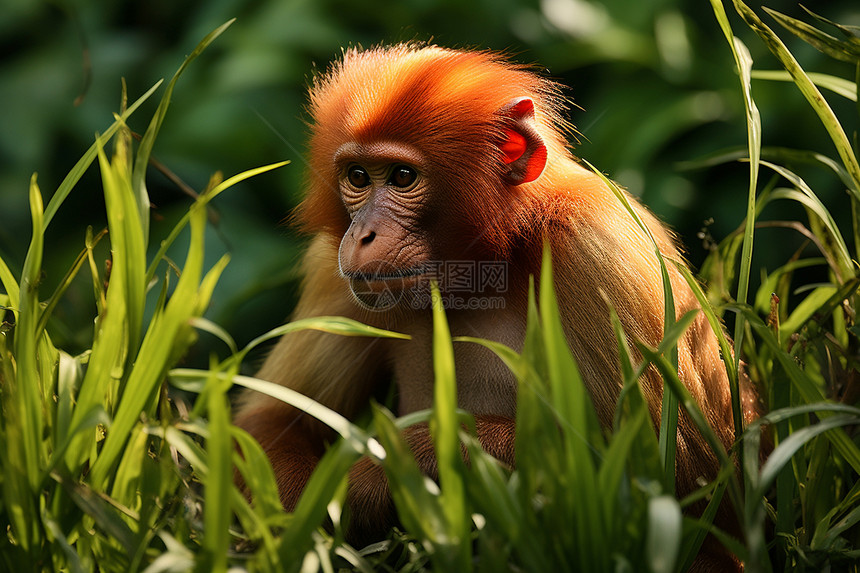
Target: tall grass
x=100, y=468
x=804, y=355
x=88, y=469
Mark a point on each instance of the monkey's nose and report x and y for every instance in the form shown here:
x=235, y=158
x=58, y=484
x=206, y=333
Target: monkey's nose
x=367, y=237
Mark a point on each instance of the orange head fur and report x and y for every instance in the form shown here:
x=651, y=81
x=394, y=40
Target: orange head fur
x=445, y=103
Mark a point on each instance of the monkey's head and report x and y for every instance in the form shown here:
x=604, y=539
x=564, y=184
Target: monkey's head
x=421, y=155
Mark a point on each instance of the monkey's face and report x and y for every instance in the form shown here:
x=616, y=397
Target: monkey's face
x=395, y=196
x=386, y=249
x=424, y=147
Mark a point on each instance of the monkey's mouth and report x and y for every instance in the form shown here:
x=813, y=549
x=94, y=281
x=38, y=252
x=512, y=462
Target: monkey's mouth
x=387, y=276
x=385, y=287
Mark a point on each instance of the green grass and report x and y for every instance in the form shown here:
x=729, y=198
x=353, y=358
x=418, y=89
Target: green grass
x=103, y=466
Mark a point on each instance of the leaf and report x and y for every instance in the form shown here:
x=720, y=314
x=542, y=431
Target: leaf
x=64, y=284
x=850, y=32
x=104, y=514
x=144, y=150
x=444, y=427
x=341, y=425
x=417, y=507
x=216, y=514
x=201, y=201
x=807, y=197
x=508, y=355
x=215, y=330
x=26, y=399
x=783, y=453
x=670, y=376
x=664, y=533
x=258, y=475
x=809, y=91
x=807, y=389
x=7, y=279
x=846, y=51
x=578, y=421
x=127, y=237
x=839, y=86
x=107, y=361
x=155, y=351
x=669, y=407
x=770, y=283
x=804, y=311
x=84, y=162
x=744, y=63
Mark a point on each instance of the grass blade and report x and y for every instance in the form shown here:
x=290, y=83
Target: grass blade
x=806, y=388
x=808, y=199
x=216, y=514
x=157, y=347
x=669, y=408
x=783, y=453
x=807, y=88
x=578, y=420
x=145, y=148
x=84, y=162
x=28, y=398
x=821, y=41
x=106, y=365
x=839, y=86
x=203, y=200
x=417, y=506
x=664, y=533
x=444, y=426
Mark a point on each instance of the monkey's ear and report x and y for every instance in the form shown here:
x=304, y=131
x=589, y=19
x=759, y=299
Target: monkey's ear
x=523, y=151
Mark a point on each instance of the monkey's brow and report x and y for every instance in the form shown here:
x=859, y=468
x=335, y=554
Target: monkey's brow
x=385, y=151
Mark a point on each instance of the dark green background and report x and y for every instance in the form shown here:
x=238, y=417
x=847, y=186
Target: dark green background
x=653, y=84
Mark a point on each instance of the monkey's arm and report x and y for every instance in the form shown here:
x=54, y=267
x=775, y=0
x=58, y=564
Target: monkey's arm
x=369, y=496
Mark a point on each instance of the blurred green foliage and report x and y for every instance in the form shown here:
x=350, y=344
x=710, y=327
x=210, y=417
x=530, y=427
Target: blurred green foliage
x=651, y=86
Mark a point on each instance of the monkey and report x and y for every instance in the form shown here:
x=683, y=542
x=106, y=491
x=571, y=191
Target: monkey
x=422, y=158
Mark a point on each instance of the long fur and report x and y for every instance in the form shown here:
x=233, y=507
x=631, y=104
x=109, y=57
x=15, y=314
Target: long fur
x=446, y=103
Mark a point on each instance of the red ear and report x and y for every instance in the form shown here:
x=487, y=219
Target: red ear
x=513, y=146
x=523, y=151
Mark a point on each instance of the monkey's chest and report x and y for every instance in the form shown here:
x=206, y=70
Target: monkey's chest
x=484, y=384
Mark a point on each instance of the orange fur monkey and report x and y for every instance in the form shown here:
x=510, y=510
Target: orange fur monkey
x=422, y=156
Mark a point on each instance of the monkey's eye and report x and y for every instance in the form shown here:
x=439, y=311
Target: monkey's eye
x=402, y=176
x=358, y=177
